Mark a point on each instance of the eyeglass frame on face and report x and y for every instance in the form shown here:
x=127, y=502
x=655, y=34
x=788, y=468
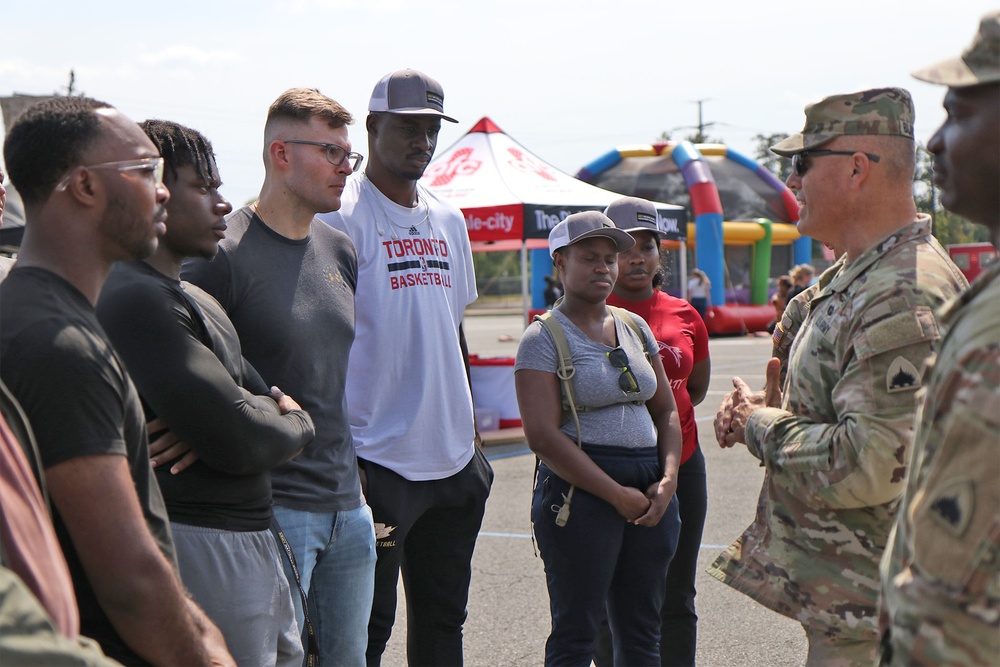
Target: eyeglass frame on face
x=627, y=377
x=122, y=166
x=800, y=166
x=358, y=158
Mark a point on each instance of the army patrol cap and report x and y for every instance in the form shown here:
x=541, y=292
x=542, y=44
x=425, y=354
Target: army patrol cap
x=980, y=63
x=879, y=111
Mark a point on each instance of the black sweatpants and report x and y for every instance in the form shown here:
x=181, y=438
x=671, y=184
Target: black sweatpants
x=428, y=530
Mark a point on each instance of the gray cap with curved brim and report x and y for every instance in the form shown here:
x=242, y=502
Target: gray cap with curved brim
x=633, y=214
x=587, y=225
x=409, y=92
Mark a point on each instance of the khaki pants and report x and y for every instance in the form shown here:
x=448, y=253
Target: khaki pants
x=826, y=651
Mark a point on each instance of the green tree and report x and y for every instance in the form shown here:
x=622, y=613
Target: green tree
x=777, y=165
x=948, y=228
x=696, y=137
x=924, y=190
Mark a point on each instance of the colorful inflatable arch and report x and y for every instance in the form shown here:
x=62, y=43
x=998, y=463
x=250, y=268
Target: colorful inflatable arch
x=753, y=194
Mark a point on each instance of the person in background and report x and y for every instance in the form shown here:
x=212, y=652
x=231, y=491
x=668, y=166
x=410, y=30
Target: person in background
x=287, y=282
x=683, y=342
x=92, y=187
x=700, y=292
x=184, y=356
x=835, y=451
x=553, y=290
x=802, y=276
x=616, y=461
x=940, y=579
x=780, y=301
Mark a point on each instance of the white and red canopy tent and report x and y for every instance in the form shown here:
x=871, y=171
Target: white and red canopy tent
x=508, y=193
x=512, y=199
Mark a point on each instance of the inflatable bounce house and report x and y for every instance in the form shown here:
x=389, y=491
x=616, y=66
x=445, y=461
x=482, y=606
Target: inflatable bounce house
x=737, y=205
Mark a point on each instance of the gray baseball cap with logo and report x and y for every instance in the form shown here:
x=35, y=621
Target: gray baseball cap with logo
x=586, y=225
x=879, y=111
x=408, y=91
x=978, y=64
x=633, y=214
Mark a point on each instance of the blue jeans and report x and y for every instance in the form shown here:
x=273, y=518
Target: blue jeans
x=599, y=559
x=335, y=554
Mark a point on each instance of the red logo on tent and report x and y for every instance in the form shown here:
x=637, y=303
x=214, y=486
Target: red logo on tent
x=458, y=164
x=528, y=164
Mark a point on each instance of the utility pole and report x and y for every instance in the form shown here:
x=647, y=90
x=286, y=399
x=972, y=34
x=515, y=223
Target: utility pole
x=700, y=137
x=701, y=124
x=72, y=83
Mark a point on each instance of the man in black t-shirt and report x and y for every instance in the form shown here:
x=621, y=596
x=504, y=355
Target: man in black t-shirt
x=91, y=182
x=287, y=282
x=185, y=358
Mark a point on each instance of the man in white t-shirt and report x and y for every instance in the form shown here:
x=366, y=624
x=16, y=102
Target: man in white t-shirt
x=408, y=392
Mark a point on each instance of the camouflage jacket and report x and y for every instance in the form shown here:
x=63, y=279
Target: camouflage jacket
x=835, y=452
x=941, y=570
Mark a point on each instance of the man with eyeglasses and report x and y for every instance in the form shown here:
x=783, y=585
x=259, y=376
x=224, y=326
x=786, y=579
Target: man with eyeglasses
x=940, y=581
x=836, y=449
x=407, y=384
x=93, y=195
x=287, y=282
x=172, y=335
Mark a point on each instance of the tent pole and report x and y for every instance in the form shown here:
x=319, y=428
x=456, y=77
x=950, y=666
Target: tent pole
x=684, y=270
x=525, y=296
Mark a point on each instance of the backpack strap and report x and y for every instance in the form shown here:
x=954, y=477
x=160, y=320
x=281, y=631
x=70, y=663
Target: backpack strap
x=566, y=370
x=629, y=319
x=565, y=373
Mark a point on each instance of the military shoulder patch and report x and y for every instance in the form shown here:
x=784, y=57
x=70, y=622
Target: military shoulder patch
x=954, y=505
x=777, y=335
x=902, y=376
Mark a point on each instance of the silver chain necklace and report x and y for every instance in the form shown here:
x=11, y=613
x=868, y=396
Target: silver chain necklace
x=411, y=228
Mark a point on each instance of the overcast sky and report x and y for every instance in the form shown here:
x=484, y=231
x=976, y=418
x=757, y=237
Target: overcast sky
x=569, y=80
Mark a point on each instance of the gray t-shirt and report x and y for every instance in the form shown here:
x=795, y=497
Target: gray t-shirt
x=612, y=416
x=292, y=303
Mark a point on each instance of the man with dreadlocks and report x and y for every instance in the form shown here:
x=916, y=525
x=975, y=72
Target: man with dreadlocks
x=184, y=356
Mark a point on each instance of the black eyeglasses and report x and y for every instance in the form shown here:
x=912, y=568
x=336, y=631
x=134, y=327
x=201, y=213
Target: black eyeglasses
x=800, y=166
x=335, y=154
x=626, y=381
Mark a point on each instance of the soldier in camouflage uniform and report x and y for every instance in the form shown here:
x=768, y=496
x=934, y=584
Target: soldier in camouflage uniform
x=835, y=451
x=941, y=570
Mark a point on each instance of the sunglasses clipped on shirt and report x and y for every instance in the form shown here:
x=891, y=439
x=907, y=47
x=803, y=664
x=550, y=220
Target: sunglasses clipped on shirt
x=800, y=163
x=627, y=381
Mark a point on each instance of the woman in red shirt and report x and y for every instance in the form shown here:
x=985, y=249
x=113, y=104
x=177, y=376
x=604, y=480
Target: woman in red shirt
x=683, y=341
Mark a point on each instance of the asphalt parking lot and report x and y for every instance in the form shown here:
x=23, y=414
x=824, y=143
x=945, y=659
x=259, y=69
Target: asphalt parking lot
x=508, y=606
